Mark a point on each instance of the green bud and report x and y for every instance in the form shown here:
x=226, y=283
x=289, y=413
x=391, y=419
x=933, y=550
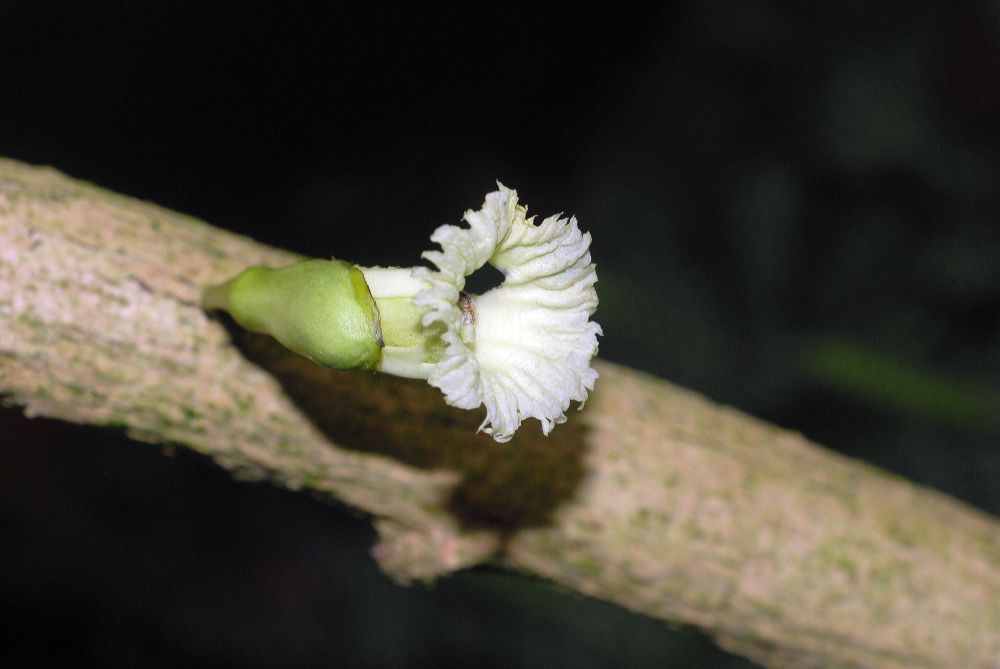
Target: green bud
x=321, y=309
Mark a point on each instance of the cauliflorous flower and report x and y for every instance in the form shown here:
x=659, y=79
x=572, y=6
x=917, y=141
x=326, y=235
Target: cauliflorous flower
x=522, y=349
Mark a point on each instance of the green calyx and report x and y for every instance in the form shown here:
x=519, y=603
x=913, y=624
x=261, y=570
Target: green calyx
x=321, y=309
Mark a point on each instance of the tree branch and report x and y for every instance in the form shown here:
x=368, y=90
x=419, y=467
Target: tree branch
x=652, y=498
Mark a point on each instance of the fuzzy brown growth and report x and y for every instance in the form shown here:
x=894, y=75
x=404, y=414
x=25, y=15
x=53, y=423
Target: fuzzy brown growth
x=468, y=307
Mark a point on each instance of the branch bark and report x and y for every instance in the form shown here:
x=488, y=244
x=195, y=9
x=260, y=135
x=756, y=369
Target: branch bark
x=653, y=497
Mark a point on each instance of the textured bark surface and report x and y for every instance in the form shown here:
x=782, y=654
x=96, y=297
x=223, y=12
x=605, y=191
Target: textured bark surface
x=652, y=497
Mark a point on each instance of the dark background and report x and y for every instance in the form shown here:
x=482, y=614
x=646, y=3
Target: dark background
x=795, y=210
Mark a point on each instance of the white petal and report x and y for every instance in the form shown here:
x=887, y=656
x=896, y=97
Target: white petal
x=527, y=352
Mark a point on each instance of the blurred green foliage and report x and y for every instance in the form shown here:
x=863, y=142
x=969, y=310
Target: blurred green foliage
x=888, y=384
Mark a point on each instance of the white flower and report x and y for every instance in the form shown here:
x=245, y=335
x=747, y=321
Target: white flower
x=523, y=349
